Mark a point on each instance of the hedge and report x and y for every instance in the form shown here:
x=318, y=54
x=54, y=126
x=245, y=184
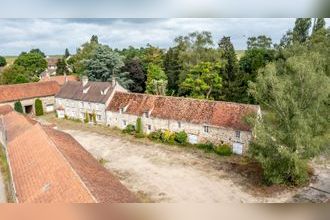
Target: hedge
x=38, y=107
x=18, y=106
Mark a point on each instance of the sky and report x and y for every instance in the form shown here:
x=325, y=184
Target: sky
x=52, y=36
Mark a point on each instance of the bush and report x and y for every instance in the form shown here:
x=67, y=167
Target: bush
x=181, y=137
x=224, y=150
x=139, y=129
x=18, y=106
x=208, y=146
x=130, y=129
x=94, y=117
x=38, y=107
x=168, y=137
x=156, y=135
x=86, y=119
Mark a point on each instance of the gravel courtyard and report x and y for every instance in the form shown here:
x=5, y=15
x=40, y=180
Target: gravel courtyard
x=158, y=173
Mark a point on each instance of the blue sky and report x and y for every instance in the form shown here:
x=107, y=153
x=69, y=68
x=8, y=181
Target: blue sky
x=54, y=35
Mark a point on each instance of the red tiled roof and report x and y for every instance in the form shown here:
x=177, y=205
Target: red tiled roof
x=5, y=109
x=216, y=113
x=61, y=80
x=49, y=166
x=52, y=61
x=23, y=91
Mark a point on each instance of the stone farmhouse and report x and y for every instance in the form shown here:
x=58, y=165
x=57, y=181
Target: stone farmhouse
x=27, y=93
x=218, y=122
x=81, y=100
x=49, y=166
x=51, y=67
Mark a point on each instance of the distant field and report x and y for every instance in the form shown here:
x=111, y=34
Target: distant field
x=10, y=59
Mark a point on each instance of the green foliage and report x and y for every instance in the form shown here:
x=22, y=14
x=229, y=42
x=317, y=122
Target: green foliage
x=261, y=42
x=156, y=80
x=139, y=128
x=172, y=67
x=62, y=67
x=104, y=64
x=207, y=147
x=156, y=135
x=181, y=137
x=301, y=29
x=136, y=73
x=94, y=118
x=203, y=80
x=168, y=137
x=3, y=61
x=38, y=51
x=33, y=63
x=295, y=128
x=319, y=24
x=130, y=129
x=18, y=107
x=66, y=53
x=38, y=107
x=223, y=150
x=86, y=118
x=14, y=74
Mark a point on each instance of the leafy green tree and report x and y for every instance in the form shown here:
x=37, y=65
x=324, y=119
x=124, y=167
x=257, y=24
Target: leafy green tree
x=136, y=74
x=203, y=80
x=156, y=80
x=3, y=61
x=319, y=23
x=18, y=107
x=153, y=55
x=105, y=64
x=172, y=67
x=14, y=74
x=38, y=51
x=301, y=29
x=33, y=63
x=139, y=128
x=261, y=41
x=295, y=123
x=66, y=53
x=94, y=39
x=62, y=67
x=38, y=107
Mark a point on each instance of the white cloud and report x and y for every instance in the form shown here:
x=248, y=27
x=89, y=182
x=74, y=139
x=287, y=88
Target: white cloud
x=54, y=35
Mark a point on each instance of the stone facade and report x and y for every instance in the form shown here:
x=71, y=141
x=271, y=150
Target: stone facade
x=28, y=104
x=202, y=132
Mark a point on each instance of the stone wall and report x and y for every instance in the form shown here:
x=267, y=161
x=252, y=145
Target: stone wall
x=216, y=135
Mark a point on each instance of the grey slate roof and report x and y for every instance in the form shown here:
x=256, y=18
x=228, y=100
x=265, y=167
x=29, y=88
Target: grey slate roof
x=74, y=90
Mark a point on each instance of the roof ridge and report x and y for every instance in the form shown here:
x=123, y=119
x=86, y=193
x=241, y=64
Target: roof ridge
x=30, y=83
x=65, y=159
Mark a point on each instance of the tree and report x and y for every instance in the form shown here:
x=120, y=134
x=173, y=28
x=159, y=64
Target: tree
x=62, y=67
x=230, y=68
x=261, y=41
x=104, y=65
x=38, y=51
x=38, y=107
x=14, y=74
x=203, y=80
x=295, y=125
x=66, y=53
x=156, y=80
x=3, y=61
x=319, y=23
x=153, y=55
x=33, y=63
x=172, y=67
x=301, y=29
x=94, y=39
x=18, y=107
x=139, y=128
x=136, y=74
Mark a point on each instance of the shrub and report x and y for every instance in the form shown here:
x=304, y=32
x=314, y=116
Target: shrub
x=38, y=107
x=156, y=135
x=208, y=146
x=86, y=119
x=168, y=137
x=94, y=117
x=181, y=137
x=18, y=106
x=130, y=129
x=139, y=129
x=66, y=117
x=224, y=150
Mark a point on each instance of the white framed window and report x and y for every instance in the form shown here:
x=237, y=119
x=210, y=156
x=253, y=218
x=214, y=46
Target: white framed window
x=146, y=114
x=238, y=134
x=206, y=129
x=149, y=127
x=179, y=124
x=123, y=122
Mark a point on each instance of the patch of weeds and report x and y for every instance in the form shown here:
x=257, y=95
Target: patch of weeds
x=206, y=147
x=102, y=161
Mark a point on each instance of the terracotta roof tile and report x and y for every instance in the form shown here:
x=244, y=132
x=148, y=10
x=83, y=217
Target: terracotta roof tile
x=49, y=166
x=61, y=80
x=23, y=91
x=216, y=113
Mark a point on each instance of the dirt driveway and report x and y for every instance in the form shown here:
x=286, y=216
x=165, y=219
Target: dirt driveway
x=2, y=190
x=166, y=174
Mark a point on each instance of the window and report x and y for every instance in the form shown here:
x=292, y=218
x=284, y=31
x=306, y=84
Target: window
x=149, y=127
x=123, y=123
x=238, y=134
x=146, y=114
x=179, y=124
x=99, y=117
x=206, y=129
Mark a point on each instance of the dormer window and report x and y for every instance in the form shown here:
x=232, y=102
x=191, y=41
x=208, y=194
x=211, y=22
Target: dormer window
x=206, y=129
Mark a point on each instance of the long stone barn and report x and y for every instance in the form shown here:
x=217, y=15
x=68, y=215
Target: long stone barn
x=27, y=93
x=214, y=121
x=49, y=166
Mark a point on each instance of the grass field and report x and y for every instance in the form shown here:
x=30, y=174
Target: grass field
x=11, y=59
